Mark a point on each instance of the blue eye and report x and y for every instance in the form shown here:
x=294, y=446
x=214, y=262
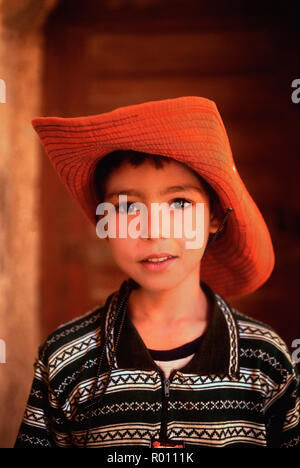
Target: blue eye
x=128, y=207
x=181, y=203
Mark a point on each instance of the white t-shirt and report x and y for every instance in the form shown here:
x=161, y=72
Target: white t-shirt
x=175, y=358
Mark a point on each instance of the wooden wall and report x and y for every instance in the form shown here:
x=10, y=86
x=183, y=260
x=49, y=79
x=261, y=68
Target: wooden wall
x=20, y=66
x=110, y=54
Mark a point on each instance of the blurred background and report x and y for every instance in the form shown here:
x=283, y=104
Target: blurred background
x=69, y=58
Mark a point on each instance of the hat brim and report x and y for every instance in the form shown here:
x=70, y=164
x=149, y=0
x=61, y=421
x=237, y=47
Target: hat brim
x=189, y=130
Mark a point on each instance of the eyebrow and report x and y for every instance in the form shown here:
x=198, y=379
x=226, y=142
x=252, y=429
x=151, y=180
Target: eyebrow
x=171, y=189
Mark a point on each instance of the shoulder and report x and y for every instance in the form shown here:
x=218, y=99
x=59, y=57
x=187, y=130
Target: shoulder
x=261, y=346
x=74, y=337
x=68, y=358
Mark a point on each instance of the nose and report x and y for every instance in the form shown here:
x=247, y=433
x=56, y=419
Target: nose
x=157, y=224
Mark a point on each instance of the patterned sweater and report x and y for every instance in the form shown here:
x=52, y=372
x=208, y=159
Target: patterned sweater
x=96, y=385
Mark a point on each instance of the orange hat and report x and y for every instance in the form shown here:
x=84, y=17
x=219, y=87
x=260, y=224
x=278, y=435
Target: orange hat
x=189, y=130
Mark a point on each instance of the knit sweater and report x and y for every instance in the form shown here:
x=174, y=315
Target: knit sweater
x=240, y=389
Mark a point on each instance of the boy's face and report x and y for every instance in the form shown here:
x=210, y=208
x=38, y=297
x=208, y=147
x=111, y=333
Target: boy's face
x=148, y=185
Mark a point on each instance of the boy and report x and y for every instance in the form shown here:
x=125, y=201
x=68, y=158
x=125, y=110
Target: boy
x=166, y=362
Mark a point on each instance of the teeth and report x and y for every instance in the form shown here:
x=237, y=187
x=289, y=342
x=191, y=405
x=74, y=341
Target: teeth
x=156, y=260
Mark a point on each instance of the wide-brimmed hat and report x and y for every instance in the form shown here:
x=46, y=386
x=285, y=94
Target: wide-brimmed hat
x=189, y=130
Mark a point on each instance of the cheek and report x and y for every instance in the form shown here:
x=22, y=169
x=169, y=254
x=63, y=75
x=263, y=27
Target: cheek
x=191, y=219
x=122, y=249
x=191, y=258
x=194, y=227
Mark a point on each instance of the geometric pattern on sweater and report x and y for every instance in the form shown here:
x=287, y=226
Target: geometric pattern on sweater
x=253, y=331
x=124, y=434
x=73, y=378
x=292, y=417
x=276, y=393
x=66, y=355
x=120, y=407
x=134, y=381
x=31, y=441
x=109, y=330
x=215, y=405
x=233, y=335
x=119, y=380
x=249, y=398
x=212, y=434
x=266, y=357
x=35, y=417
x=91, y=318
x=248, y=379
x=293, y=443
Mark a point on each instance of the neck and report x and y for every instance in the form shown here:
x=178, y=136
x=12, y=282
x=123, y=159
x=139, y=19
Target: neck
x=186, y=301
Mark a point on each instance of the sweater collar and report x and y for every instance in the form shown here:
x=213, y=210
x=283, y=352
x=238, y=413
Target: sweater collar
x=218, y=352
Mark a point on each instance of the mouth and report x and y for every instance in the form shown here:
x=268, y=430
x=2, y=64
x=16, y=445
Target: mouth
x=157, y=258
x=158, y=262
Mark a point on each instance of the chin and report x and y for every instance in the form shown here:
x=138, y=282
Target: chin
x=157, y=284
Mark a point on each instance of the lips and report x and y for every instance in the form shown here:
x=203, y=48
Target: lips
x=156, y=263
x=157, y=258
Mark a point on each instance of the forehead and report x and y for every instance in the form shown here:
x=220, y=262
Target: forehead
x=149, y=179
x=169, y=170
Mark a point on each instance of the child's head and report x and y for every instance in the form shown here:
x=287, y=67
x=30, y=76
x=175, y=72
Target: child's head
x=150, y=179
x=188, y=130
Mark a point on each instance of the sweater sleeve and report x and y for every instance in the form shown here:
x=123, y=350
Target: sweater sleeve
x=43, y=419
x=283, y=416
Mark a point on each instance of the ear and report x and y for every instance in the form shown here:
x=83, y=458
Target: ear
x=214, y=223
x=216, y=217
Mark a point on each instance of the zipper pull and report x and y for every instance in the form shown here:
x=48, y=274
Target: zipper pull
x=167, y=387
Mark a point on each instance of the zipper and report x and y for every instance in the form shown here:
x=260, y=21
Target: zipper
x=166, y=382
